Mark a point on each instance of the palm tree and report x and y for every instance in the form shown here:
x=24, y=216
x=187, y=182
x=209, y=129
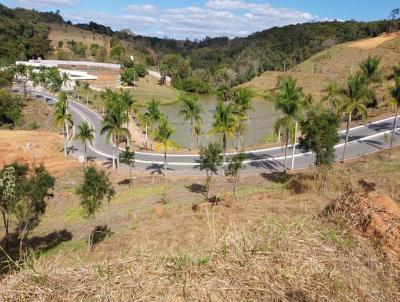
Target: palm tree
x=242, y=104
x=86, y=88
x=163, y=135
x=127, y=157
x=152, y=116
x=197, y=131
x=286, y=126
x=333, y=97
x=65, y=79
x=355, y=95
x=395, y=92
x=85, y=135
x=191, y=111
x=113, y=126
x=43, y=79
x=129, y=103
x=62, y=117
x=290, y=101
x=21, y=71
x=55, y=79
x=370, y=69
x=78, y=85
x=224, y=124
x=34, y=77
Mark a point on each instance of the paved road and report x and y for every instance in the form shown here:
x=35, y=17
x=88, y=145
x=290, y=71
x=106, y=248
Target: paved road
x=366, y=139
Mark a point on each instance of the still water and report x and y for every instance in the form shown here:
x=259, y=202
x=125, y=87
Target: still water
x=260, y=123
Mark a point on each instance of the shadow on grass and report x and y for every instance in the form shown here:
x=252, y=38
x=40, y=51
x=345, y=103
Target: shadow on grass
x=100, y=233
x=9, y=258
x=197, y=188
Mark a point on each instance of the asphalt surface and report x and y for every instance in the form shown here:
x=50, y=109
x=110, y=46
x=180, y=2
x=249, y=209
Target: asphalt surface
x=363, y=140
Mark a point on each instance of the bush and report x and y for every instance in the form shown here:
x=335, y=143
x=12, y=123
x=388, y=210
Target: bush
x=141, y=70
x=129, y=76
x=10, y=109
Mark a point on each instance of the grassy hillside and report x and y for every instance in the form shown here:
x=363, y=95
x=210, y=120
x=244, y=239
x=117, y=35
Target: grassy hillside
x=274, y=242
x=335, y=64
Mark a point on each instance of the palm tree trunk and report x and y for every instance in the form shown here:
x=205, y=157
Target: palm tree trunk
x=394, y=127
x=65, y=141
x=117, y=155
x=286, y=147
x=113, y=155
x=294, y=146
x=128, y=141
x=86, y=158
x=224, y=153
x=347, y=136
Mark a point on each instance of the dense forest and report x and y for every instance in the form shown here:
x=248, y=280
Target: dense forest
x=195, y=66
x=23, y=35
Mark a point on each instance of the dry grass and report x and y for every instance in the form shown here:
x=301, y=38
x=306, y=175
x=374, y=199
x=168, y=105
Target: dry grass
x=37, y=116
x=335, y=64
x=272, y=244
x=34, y=148
x=67, y=33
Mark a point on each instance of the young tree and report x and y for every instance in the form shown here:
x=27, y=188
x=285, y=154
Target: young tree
x=7, y=198
x=96, y=188
x=224, y=124
x=127, y=157
x=320, y=129
x=85, y=135
x=63, y=118
x=210, y=161
x=163, y=135
x=395, y=92
x=235, y=165
x=290, y=101
x=33, y=193
x=191, y=111
x=355, y=95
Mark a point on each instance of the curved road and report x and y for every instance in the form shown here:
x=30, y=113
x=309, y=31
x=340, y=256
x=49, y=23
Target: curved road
x=366, y=139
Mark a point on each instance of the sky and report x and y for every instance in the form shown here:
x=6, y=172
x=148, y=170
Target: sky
x=196, y=19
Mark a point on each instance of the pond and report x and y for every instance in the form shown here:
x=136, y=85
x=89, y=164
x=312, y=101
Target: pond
x=259, y=125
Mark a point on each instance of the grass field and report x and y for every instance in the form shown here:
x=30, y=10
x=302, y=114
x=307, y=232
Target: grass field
x=334, y=65
x=272, y=243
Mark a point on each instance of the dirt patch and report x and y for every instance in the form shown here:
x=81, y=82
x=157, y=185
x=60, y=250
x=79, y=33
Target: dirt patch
x=34, y=148
x=375, y=214
x=374, y=42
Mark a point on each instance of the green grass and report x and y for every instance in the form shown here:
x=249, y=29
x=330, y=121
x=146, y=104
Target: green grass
x=141, y=193
x=74, y=214
x=67, y=247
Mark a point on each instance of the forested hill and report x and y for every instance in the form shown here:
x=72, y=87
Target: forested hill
x=23, y=34
x=199, y=66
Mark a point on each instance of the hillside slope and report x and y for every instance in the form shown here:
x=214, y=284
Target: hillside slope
x=334, y=65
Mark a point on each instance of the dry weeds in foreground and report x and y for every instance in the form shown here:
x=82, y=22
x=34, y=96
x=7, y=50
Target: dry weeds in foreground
x=276, y=262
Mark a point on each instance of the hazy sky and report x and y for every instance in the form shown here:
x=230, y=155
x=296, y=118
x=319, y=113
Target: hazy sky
x=197, y=19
